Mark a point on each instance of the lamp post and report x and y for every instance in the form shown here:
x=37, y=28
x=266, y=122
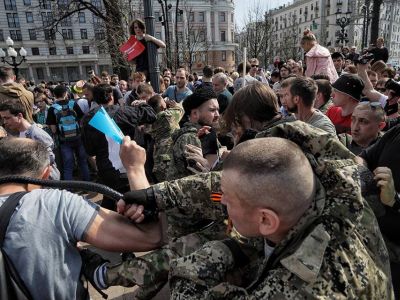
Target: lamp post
x=342, y=22
x=12, y=53
x=165, y=22
x=365, y=9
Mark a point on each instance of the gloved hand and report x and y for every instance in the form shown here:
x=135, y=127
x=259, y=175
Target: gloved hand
x=91, y=267
x=146, y=198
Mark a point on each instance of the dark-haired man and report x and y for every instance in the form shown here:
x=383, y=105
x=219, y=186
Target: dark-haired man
x=105, y=149
x=298, y=97
x=10, y=89
x=64, y=118
x=323, y=100
x=179, y=91
x=347, y=91
x=367, y=121
x=47, y=223
x=202, y=109
x=13, y=113
x=338, y=62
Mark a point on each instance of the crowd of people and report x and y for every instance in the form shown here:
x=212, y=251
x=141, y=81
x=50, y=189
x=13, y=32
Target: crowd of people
x=272, y=184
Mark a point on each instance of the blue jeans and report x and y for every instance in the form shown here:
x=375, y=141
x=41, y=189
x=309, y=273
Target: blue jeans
x=67, y=153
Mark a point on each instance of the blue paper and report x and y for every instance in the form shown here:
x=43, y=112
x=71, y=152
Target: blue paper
x=102, y=122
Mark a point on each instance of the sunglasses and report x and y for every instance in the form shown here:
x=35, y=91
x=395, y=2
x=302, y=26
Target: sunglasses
x=373, y=105
x=254, y=66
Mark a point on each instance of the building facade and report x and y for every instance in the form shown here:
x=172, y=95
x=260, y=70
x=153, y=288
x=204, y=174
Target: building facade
x=65, y=54
x=200, y=32
x=290, y=20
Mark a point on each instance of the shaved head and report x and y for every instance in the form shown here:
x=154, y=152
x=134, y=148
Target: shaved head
x=272, y=173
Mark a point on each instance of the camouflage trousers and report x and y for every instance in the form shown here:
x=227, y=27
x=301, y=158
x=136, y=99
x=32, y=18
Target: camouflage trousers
x=150, y=271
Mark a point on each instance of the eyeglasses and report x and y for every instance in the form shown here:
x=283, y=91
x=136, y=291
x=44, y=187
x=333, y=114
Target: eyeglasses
x=254, y=66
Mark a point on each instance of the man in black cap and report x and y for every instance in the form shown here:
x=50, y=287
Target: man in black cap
x=338, y=61
x=347, y=92
x=201, y=108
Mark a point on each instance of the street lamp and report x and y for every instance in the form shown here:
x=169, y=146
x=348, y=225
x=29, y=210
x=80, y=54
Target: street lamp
x=165, y=22
x=342, y=22
x=11, y=52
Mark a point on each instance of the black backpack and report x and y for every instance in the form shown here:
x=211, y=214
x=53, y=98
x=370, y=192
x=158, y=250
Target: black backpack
x=11, y=285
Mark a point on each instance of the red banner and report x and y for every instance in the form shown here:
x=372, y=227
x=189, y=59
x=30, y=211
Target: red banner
x=132, y=48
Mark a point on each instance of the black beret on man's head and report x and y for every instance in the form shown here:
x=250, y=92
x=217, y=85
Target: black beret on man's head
x=196, y=99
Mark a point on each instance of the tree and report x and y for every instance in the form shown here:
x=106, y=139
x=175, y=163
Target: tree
x=113, y=22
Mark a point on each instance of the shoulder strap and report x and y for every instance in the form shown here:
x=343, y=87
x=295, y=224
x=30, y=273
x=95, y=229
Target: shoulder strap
x=6, y=211
x=71, y=104
x=57, y=106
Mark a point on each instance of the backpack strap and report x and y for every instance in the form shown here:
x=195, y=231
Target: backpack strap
x=71, y=104
x=57, y=106
x=6, y=211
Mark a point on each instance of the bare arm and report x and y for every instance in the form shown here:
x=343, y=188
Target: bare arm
x=113, y=232
x=152, y=39
x=369, y=91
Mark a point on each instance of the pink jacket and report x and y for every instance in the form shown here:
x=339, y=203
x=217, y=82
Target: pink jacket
x=319, y=61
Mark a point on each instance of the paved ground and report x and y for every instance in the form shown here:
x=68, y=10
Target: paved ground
x=118, y=292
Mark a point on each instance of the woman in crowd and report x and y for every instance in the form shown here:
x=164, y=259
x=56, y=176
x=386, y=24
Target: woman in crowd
x=318, y=58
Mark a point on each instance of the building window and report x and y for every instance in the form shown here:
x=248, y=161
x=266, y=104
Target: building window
x=201, y=16
x=29, y=17
x=223, y=36
x=158, y=35
x=84, y=34
x=63, y=4
x=202, y=36
x=16, y=35
x=96, y=20
x=1, y=35
x=27, y=2
x=99, y=34
x=40, y=73
x=70, y=50
x=32, y=34
x=66, y=22
x=35, y=51
x=13, y=20
x=81, y=17
x=223, y=55
x=47, y=18
x=85, y=49
x=44, y=4
x=53, y=51
x=49, y=34
x=10, y=5
x=179, y=16
x=232, y=18
x=67, y=34
x=97, y=4
x=191, y=17
x=222, y=16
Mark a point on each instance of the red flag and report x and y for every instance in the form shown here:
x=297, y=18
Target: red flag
x=132, y=48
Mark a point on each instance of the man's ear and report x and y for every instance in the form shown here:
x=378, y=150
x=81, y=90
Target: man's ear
x=382, y=125
x=46, y=173
x=269, y=222
x=194, y=115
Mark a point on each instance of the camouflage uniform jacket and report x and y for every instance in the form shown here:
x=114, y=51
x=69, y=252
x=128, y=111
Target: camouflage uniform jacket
x=347, y=140
x=182, y=137
x=162, y=129
x=335, y=251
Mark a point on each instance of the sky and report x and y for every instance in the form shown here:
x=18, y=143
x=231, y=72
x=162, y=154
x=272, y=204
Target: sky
x=243, y=6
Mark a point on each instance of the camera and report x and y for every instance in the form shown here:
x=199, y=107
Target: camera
x=91, y=73
x=364, y=59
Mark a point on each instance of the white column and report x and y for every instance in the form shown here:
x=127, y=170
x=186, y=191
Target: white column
x=48, y=72
x=80, y=70
x=229, y=26
x=208, y=24
x=216, y=26
x=32, y=77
